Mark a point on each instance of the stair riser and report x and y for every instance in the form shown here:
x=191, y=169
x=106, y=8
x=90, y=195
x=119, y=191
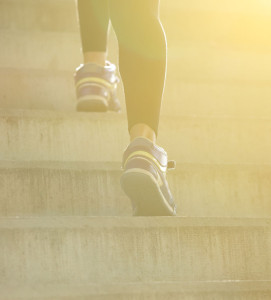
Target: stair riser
x=71, y=255
x=55, y=91
x=46, y=90
x=216, y=99
x=34, y=15
x=244, y=32
x=43, y=192
x=198, y=190
x=193, y=17
x=64, y=137
x=37, y=90
x=60, y=51
x=230, y=6
x=186, y=60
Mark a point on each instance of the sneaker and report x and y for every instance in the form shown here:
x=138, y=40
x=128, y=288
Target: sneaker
x=144, y=179
x=96, y=88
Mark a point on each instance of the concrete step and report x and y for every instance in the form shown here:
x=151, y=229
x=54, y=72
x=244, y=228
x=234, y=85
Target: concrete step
x=187, y=60
x=41, y=89
x=43, y=135
x=40, y=50
x=49, y=50
x=245, y=29
x=74, y=250
x=224, y=83
x=38, y=89
x=61, y=15
x=61, y=189
x=231, y=6
x=205, y=98
x=93, y=189
x=49, y=15
x=54, y=90
x=236, y=31
x=214, y=63
x=203, y=290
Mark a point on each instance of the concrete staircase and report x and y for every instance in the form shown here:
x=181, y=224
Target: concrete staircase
x=66, y=230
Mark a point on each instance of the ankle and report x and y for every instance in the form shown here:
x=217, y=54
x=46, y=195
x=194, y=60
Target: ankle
x=142, y=130
x=98, y=58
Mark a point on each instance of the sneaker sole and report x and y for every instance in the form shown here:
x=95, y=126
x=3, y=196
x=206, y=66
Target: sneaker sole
x=92, y=105
x=145, y=194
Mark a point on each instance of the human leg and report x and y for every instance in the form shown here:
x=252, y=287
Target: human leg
x=94, y=20
x=142, y=47
x=96, y=79
x=142, y=61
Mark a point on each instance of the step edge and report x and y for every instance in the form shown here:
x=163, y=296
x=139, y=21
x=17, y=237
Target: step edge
x=112, y=223
x=137, y=288
x=116, y=166
x=109, y=116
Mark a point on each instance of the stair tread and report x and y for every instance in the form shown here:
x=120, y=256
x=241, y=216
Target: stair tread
x=136, y=288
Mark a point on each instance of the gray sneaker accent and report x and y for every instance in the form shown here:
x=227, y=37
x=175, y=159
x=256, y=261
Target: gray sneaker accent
x=144, y=179
x=96, y=88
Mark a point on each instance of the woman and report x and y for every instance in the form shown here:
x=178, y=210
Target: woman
x=142, y=63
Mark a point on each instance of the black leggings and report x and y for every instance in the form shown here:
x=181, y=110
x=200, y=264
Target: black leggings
x=142, y=47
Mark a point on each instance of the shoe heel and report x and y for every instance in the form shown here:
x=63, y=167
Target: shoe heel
x=92, y=98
